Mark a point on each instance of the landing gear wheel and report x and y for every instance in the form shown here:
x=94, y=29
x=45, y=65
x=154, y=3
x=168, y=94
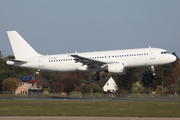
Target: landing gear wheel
x=96, y=77
x=153, y=69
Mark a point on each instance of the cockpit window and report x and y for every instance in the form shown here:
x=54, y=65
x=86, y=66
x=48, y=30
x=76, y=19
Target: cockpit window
x=164, y=52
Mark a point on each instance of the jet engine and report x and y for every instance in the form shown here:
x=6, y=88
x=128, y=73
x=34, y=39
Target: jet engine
x=116, y=68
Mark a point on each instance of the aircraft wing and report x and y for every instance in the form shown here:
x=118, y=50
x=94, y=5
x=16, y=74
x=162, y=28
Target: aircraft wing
x=91, y=63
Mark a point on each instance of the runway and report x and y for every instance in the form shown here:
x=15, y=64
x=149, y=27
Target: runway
x=89, y=99
x=81, y=118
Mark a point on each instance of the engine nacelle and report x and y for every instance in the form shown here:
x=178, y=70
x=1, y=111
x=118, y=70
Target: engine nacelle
x=83, y=68
x=116, y=68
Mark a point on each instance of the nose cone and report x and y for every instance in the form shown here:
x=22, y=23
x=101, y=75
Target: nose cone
x=173, y=58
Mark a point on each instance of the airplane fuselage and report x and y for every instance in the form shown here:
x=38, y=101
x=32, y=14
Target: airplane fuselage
x=114, y=61
x=130, y=58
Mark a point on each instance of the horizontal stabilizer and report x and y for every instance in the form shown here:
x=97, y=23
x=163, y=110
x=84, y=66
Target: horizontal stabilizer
x=15, y=60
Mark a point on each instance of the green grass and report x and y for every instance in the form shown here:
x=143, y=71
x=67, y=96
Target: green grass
x=90, y=108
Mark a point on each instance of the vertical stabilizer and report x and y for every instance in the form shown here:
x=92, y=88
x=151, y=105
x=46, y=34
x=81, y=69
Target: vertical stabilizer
x=20, y=47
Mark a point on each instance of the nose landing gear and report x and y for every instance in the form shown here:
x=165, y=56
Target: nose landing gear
x=153, y=69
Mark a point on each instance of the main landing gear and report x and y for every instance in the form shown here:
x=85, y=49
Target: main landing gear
x=96, y=76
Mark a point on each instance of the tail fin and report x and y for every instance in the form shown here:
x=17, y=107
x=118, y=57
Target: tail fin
x=20, y=47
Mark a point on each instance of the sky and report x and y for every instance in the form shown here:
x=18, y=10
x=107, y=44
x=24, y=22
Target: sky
x=66, y=26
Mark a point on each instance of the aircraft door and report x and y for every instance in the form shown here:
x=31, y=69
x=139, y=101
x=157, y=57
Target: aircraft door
x=40, y=62
x=152, y=54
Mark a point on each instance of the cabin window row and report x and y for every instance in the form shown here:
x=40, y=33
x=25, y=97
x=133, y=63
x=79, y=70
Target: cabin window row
x=114, y=56
x=60, y=60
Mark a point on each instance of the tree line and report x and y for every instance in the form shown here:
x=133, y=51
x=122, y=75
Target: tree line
x=136, y=80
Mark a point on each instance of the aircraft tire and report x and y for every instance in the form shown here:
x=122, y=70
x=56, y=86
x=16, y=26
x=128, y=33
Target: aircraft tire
x=96, y=77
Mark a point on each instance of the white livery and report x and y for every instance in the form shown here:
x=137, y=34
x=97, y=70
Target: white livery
x=114, y=61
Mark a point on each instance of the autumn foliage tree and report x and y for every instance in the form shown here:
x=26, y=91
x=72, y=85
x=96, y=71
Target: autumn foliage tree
x=173, y=80
x=71, y=82
x=10, y=84
x=7, y=71
x=56, y=87
x=170, y=79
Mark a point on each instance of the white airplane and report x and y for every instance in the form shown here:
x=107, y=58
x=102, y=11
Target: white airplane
x=114, y=62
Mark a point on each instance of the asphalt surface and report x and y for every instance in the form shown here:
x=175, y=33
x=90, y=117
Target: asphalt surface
x=89, y=99
x=81, y=118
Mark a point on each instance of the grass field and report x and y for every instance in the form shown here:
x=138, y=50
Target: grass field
x=90, y=108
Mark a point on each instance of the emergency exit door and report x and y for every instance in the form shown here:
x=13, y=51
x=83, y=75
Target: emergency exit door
x=152, y=54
